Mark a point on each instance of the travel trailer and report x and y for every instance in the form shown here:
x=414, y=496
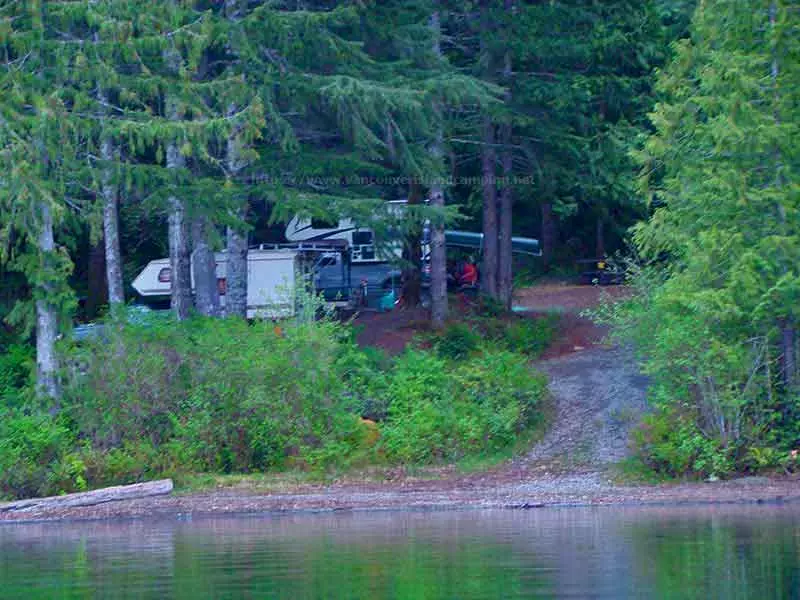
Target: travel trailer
x=271, y=279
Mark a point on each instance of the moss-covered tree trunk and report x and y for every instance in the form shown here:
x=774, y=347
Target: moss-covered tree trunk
x=204, y=269
x=504, y=253
x=113, y=255
x=110, y=198
x=438, y=248
x=179, y=257
x=236, y=239
x=488, y=168
x=46, y=314
x=178, y=226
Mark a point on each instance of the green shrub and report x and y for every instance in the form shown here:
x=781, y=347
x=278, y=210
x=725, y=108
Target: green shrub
x=528, y=336
x=457, y=341
x=232, y=397
x=489, y=307
x=671, y=444
x=36, y=456
x=714, y=371
x=441, y=411
x=168, y=399
x=136, y=461
x=16, y=367
x=364, y=372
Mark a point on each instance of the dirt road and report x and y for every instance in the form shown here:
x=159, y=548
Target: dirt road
x=599, y=397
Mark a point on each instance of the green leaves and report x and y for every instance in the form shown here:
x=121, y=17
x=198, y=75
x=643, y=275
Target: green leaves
x=714, y=332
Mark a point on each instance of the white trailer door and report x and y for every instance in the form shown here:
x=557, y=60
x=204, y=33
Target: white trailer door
x=270, y=284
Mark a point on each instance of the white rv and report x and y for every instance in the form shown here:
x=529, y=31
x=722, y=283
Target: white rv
x=360, y=239
x=271, y=282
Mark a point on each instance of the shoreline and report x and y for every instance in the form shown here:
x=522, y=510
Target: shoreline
x=438, y=495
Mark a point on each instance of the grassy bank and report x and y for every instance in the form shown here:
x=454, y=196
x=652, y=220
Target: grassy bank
x=224, y=397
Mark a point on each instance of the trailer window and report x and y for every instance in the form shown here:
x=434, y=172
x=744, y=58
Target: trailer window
x=322, y=223
x=165, y=275
x=362, y=238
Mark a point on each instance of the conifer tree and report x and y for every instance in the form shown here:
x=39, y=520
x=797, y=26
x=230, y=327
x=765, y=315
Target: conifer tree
x=409, y=40
x=38, y=148
x=583, y=75
x=174, y=112
x=723, y=173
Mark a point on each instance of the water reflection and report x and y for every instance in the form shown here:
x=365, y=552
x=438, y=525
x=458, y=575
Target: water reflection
x=733, y=552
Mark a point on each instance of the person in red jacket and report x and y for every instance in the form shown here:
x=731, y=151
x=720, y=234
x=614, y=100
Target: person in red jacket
x=469, y=274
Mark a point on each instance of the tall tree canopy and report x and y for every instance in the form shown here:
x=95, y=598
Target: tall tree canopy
x=188, y=126
x=718, y=319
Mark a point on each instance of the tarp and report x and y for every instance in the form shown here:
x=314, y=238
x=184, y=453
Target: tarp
x=468, y=239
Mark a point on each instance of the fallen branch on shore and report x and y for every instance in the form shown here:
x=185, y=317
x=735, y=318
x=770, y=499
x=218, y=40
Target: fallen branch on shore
x=93, y=498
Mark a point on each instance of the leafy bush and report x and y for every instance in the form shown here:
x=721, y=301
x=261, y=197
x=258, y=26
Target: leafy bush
x=205, y=395
x=709, y=381
x=440, y=411
x=489, y=307
x=36, y=456
x=231, y=397
x=528, y=336
x=16, y=366
x=671, y=444
x=457, y=341
x=364, y=372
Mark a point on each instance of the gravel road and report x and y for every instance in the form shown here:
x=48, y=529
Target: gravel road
x=599, y=396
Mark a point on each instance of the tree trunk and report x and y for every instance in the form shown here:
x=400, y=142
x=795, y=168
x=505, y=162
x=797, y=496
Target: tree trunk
x=116, y=292
x=504, y=250
x=97, y=293
x=204, y=269
x=118, y=493
x=600, y=248
x=548, y=233
x=108, y=191
x=236, y=237
x=438, y=263
x=236, y=270
x=789, y=358
x=178, y=228
x=46, y=317
x=179, y=257
x=438, y=247
x=412, y=285
x=489, y=264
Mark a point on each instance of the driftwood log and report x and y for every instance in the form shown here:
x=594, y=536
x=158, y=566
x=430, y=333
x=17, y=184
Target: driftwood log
x=110, y=494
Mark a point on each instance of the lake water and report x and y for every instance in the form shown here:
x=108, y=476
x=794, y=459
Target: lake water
x=691, y=552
